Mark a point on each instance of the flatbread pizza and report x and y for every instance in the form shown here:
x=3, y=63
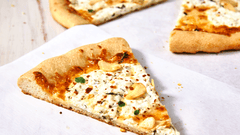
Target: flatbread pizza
x=70, y=13
x=104, y=81
x=207, y=26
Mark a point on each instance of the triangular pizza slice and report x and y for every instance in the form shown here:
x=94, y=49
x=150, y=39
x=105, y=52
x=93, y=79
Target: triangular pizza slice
x=104, y=81
x=76, y=12
x=207, y=26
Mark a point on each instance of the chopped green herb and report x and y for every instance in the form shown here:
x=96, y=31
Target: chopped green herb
x=90, y=10
x=121, y=103
x=136, y=112
x=125, y=55
x=80, y=80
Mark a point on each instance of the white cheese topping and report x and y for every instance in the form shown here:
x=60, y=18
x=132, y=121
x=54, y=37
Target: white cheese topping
x=102, y=91
x=110, y=88
x=217, y=15
x=105, y=11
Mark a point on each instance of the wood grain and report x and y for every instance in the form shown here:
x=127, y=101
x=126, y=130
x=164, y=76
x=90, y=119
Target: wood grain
x=24, y=26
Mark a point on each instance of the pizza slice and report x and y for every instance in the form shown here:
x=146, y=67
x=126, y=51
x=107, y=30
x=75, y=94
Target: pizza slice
x=207, y=26
x=104, y=81
x=76, y=12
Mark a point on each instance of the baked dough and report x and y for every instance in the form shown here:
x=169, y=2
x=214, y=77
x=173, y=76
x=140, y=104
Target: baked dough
x=193, y=42
x=53, y=81
x=64, y=15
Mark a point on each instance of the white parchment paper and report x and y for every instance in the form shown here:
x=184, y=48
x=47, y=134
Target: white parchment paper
x=202, y=106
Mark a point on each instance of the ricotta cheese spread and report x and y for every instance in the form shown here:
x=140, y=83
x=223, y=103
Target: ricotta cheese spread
x=104, y=94
x=104, y=10
x=217, y=14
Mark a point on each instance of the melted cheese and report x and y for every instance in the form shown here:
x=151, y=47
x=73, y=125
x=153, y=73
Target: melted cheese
x=102, y=91
x=209, y=16
x=104, y=10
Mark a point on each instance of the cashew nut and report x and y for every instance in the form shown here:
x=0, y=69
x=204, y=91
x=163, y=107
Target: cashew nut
x=148, y=123
x=138, y=90
x=228, y=6
x=232, y=2
x=108, y=67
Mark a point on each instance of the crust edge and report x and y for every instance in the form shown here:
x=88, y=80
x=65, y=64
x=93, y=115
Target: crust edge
x=194, y=41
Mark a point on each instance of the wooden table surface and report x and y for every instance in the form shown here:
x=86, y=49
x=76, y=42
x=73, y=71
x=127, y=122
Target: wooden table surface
x=24, y=26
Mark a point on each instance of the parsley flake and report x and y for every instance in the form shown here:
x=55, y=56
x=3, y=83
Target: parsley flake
x=80, y=80
x=136, y=112
x=125, y=55
x=90, y=10
x=121, y=103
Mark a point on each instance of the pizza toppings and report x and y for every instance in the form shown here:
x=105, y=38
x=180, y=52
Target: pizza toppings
x=121, y=103
x=108, y=67
x=136, y=112
x=148, y=123
x=80, y=80
x=125, y=55
x=136, y=90
x=100, y=11
x=219, y=16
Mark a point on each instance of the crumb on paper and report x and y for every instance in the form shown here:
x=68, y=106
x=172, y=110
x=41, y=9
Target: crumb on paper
x=43, y=53
x=167, y=41
x=180, y=109
x=24, y=22
x=235, y=68
x=67, y=127
x=60, y=112
x=163, y=98
x=152, y=62
x=173, y=104
x=122, y=130
x=23, y=13
x=163, y=47
x=185, y=124
x=145, y=67
x=12, y=5
x=179, y=84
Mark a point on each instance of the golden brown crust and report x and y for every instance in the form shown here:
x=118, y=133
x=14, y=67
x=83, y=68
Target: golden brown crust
x=64, y=15
x=195, y=41
x=61, y=64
